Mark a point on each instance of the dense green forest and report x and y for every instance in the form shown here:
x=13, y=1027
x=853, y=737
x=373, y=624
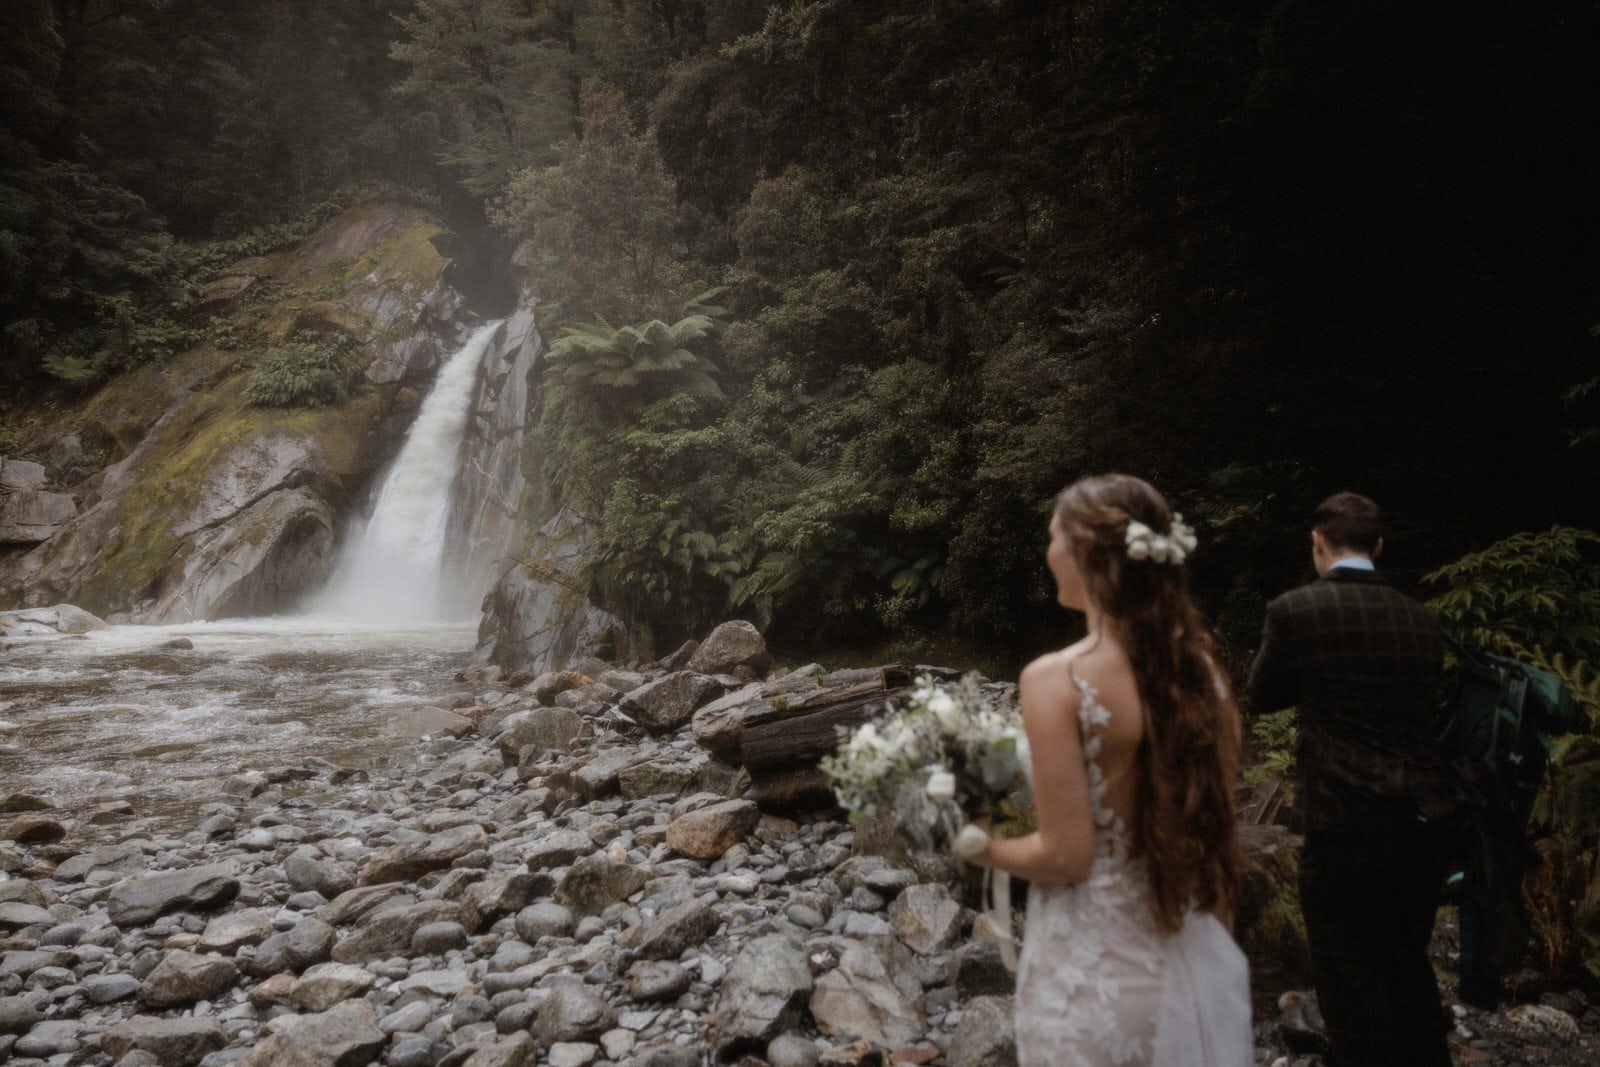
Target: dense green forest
x=842, y=291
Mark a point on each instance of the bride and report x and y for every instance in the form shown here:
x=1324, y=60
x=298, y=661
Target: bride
x=1135, y=867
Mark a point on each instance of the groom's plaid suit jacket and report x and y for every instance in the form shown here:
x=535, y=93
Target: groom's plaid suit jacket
x=1361, y=661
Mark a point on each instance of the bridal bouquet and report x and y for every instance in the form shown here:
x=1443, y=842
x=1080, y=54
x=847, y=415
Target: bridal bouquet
x=945, y=757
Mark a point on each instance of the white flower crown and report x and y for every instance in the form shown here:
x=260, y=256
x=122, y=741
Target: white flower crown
x=1174, y=546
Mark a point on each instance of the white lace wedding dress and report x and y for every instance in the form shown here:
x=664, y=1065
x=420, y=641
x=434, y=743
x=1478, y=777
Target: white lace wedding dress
x=1098, y=983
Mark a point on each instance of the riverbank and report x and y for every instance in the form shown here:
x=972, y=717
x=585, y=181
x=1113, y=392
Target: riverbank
x=561, y=873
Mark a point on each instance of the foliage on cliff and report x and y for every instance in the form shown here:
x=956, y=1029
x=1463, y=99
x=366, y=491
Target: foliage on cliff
x=133, y=130
x=1257, y=254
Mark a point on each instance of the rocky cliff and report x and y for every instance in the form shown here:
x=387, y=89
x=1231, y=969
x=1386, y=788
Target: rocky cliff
x=213, y=507
x=538, y=617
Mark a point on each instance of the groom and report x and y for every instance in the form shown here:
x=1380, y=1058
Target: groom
x=1361, y=661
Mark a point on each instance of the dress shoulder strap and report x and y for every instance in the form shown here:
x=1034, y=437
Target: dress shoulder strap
x=1092, y=719
x=1092, y=715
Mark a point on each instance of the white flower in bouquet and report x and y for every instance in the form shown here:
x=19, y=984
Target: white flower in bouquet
x=945, y=756
x=945, y=711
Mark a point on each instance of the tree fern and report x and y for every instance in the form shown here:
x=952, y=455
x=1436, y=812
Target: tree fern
x=633, y=357
x=1533, y=595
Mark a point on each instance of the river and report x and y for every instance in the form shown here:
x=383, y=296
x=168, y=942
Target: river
x=113, y=714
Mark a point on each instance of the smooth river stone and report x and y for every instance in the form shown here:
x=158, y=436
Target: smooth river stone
x=140, y=900
x=185, y=977
x=18, y=1015
x=432, y=852
x=15, y=915
x=229, y=933
x=175, y=1042
x=345, y=1034
x=35, y=830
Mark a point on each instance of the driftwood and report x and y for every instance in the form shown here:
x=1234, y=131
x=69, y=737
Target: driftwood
x=1264, y=803
x=799, y=729
x=780, y=730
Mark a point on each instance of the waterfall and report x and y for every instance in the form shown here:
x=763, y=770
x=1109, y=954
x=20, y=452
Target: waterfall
x=393, y=569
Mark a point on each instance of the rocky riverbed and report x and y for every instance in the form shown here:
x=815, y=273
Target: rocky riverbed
x=562, y=875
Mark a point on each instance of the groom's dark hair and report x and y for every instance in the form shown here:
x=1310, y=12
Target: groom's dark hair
x=1348, y=520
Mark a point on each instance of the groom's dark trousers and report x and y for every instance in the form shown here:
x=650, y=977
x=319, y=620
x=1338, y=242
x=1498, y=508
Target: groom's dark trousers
x=1361, y=661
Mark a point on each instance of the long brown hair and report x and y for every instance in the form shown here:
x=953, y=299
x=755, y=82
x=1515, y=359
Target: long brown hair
x=1184, y=826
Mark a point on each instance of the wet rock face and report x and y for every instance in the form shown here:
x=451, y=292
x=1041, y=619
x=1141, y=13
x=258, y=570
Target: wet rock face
x=537, y=623
x=491, y=470
x=30, y=515
x=20, y=475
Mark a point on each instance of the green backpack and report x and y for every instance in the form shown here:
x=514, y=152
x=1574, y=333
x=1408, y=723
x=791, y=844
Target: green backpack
x=1502, y=717
x=1497, y=734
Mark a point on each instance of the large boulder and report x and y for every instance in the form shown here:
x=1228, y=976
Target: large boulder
x=669, y=702
x=706, y=833
x=327, y=984
x=873, y=994
x=557, y=849
x=307, y=942
x=413, y=858
x=574, y=1012
x=595, y=882
x=677, y=930
x=231, y=932
x=15, y=915
x=185, y=977
x=731, y=646
x=535, y=731
x=388, y=931
x=57, y=619
x=427, y=721
x=984, y=1037
x=926, y=917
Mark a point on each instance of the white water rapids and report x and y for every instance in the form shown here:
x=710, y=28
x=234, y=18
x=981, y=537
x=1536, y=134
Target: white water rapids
x=121, y=713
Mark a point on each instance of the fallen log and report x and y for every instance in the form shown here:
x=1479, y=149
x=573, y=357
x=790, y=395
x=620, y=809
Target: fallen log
x=779, y=730
x=798, y=729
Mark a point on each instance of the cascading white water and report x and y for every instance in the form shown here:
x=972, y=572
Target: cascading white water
x=392, y=570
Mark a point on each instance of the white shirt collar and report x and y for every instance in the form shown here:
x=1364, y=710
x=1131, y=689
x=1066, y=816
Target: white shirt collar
x=1353, y=563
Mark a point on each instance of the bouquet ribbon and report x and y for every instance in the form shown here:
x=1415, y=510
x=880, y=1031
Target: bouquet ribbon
x=997, y=888
x=969, y=844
